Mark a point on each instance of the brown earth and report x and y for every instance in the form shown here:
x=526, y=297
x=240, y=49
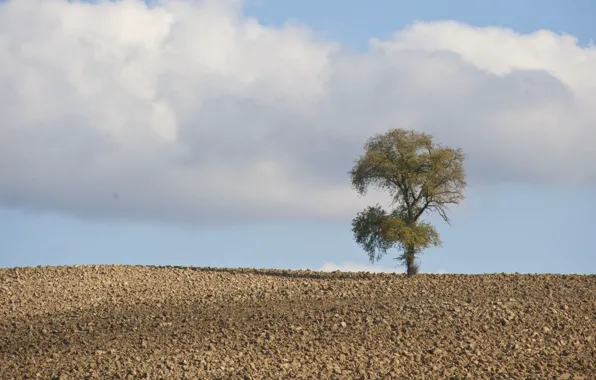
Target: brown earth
x=115, y=322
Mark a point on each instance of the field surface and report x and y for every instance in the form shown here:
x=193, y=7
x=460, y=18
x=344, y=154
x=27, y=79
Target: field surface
x=116, y=322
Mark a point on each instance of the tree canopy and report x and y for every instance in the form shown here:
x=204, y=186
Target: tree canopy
x=420, y=176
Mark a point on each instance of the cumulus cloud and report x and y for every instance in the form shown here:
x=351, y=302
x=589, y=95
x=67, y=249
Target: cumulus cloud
x=355, y=267
x=191, y=111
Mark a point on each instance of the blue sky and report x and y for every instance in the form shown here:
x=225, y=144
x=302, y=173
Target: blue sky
x=356, y=22
x=534, y=215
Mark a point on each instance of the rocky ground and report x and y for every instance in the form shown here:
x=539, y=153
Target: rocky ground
x=115, y=322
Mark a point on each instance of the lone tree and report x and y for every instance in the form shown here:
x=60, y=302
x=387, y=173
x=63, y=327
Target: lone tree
x=420, y=175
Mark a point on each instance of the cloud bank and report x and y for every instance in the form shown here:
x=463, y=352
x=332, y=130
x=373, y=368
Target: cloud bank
x=355, y=267
x=191, y=111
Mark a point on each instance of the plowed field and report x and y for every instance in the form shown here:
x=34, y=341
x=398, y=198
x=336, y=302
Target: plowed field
x=116, y=322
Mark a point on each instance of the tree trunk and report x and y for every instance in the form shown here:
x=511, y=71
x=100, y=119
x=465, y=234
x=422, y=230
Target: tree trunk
x=411, y=266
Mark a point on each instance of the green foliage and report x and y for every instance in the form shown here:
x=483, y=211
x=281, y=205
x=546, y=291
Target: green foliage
x=368, y=228
x=377, y=232
x=420, y=176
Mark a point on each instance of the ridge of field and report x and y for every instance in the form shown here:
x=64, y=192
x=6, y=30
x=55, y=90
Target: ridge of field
x=117, y=321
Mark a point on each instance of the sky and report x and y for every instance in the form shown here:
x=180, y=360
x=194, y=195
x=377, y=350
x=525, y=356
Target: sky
x=220, y=133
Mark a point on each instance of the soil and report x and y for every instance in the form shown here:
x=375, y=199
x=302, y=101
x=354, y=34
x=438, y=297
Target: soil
x=117, y=322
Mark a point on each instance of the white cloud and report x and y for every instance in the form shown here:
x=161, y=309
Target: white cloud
x=191, y=111
x=355, y=267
